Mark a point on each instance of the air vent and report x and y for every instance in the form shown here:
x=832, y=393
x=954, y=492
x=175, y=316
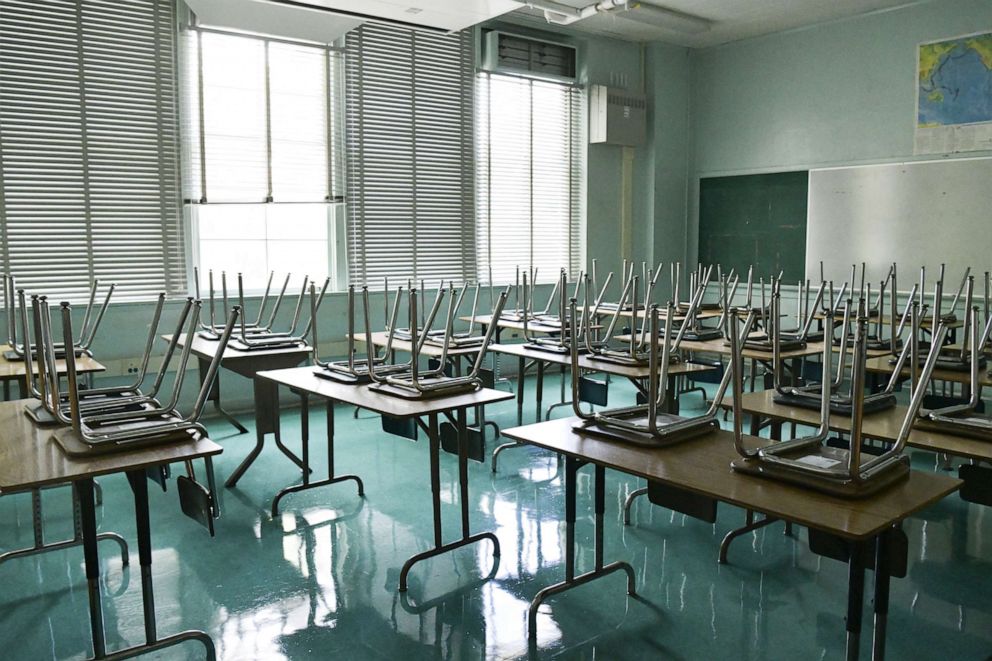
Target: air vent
x=509, y=53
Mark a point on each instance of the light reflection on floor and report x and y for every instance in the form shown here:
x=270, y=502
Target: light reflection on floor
x=320, y=579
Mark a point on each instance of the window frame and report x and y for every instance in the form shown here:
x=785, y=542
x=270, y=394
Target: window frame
x=196, y=190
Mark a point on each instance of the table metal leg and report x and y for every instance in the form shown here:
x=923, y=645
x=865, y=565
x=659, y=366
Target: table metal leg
x=750, y=525
x=881, y=597
x=87, y=518
x=331, y=477
x=139, y=487
x=214, y=396
x=855, y=599
x=467, y=538
x=571, y=580
x=672, y=400
x=629, y=503
x=266, y=394
x=521, y=373
x=41, y=546
x=539, y=389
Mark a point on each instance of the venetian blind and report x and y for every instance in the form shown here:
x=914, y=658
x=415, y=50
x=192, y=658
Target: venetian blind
x=409, y=131
x=529, y=177
x=89, y=146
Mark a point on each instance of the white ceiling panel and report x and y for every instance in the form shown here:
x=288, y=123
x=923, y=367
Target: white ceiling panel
x=731, y=20
x=277, y=20
x=449, y=15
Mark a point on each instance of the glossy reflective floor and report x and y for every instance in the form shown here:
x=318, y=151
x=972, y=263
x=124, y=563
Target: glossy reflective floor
x=320, y=581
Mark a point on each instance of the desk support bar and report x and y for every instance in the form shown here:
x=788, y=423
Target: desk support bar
x=434, y=436
x=571, y=580
x=41, y=546
x=750, y=525
x=331, y=477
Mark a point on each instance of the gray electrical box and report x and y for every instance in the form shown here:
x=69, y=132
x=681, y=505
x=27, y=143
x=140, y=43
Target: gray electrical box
x=616, y=117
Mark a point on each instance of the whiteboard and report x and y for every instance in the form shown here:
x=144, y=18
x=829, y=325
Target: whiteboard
x=913, y=214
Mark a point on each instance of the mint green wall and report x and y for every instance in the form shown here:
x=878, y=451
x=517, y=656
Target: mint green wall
x=841, y=93
x=837, y=94
x=668, y=69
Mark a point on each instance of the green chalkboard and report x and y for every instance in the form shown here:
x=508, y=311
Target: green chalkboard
x=757, y=220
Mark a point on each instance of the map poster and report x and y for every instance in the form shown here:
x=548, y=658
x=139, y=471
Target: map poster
x=954, y=95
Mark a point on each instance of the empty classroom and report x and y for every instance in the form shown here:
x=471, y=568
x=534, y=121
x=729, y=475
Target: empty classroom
x=495, y=329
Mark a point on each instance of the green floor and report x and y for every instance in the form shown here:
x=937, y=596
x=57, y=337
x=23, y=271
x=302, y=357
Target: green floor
x=320, y=581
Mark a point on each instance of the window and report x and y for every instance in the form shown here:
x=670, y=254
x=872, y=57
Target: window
x=89, y=178
x=529, y=174
x=264, y=149
x=409, y=146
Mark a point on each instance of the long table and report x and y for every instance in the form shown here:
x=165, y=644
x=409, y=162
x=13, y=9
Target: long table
x=634, y=373
x=453, y=407
x=31, y=460
x=880, y=425
x=700, y=469
x=266, y=395
x=12, y=371
x=882, y=365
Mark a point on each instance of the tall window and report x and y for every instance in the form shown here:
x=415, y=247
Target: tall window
x=409, y=128
x=529, y=174
x=89, y=178
x=263, y=138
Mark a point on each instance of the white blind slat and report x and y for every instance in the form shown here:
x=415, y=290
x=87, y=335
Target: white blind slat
x=409, y=130
x=528, y=177
x=88, y=146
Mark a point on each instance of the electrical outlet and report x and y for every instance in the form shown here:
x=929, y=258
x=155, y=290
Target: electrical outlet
x=131, y=366
x=514, y=335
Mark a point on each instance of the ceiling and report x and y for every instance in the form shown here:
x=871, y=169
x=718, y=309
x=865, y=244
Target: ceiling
x=731, y=20
x=445, y=14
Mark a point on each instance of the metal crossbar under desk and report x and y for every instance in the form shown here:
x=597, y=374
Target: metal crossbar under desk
x=452, y=407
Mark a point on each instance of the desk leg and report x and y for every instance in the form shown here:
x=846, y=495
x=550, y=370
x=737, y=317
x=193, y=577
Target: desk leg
x=41, y=546
x=266, y=422
x=571, y=580
x=855, y=599
x=87, y=517
x=539, y=388
x=467, y=538
x=521, y=373
x=331, y=477
x=139, y=487
x=881, y=597
x=214, y=396
x=750, y=525
x=629, y=503
x=672, y=400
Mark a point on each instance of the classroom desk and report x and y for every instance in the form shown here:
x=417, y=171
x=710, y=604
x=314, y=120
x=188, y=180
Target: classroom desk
x=634, y=373
x=662, y=314
x=30, y=460
x=510, y=324
x=266, y=394
x=881, y=425
x=431, y=350
x=719, y=346
x=15, y=370
x=701, y=468
x=303, y=380
x=881, y=365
